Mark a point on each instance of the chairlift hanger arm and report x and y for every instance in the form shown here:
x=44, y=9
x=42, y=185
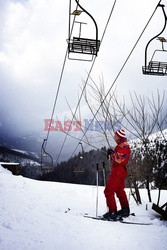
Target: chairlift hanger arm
x=165, y=16
x=77, y=1
x=43, y=149
x=81, y=147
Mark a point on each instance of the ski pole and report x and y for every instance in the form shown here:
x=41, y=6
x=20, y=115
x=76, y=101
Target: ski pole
x=104, y=174
x=97, y=184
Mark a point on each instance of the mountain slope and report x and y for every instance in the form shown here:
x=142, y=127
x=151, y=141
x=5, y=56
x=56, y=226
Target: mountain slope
x=48, y=215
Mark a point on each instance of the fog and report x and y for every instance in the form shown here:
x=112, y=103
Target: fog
x=32, y=51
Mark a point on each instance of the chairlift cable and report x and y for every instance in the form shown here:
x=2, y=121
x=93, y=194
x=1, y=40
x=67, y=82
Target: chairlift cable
x=75, y=110
x=57, y=93
x=75, y=115
x=83, y=141
x=54, y=105
x=88, y=76
x=55, y=101
x=111, y=12
x=58, y=89
x=118, y=74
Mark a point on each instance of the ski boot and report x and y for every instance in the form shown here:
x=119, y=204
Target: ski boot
x=124, y=212
x=110, y=216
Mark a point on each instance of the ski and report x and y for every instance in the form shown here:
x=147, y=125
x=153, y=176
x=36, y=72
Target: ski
x=136, y=223
x=121, y=220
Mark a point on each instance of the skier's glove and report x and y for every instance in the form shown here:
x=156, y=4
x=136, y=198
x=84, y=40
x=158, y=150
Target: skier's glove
x=109, y=152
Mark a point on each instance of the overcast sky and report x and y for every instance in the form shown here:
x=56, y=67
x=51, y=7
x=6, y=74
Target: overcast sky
x=33, y=44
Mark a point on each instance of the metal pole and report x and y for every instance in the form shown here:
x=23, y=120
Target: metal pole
x=104, y=174
x=97, y=185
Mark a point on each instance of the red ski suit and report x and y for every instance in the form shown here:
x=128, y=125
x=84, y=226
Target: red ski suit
x=116, y=180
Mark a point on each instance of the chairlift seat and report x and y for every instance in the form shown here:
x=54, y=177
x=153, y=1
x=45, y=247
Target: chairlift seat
x=84, y=46
x=79, y=169
x=155, y=68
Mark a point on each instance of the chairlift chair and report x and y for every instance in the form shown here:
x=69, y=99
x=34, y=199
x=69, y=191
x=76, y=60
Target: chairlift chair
x=46, y=155
x=157, y=68
x=78, y=44
x=80, y=168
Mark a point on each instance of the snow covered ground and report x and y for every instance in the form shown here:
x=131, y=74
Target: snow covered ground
x=48, y=215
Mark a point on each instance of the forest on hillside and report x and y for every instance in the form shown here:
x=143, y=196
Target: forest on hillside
x=147, y=167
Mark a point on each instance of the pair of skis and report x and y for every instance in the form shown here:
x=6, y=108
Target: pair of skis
x=121, y=220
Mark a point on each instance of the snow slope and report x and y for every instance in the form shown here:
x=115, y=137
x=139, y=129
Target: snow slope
x=48, y=215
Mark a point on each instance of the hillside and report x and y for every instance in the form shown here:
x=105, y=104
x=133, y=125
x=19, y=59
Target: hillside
x=8, y=153
x=48, y=215
x=29, y=161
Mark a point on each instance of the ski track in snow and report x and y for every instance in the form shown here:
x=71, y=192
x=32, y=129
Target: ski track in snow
x=48, y=215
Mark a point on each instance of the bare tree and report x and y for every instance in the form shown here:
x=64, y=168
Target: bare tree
x=141, y=117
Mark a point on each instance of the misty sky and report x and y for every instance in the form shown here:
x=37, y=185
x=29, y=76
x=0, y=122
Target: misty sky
x=33, y=44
